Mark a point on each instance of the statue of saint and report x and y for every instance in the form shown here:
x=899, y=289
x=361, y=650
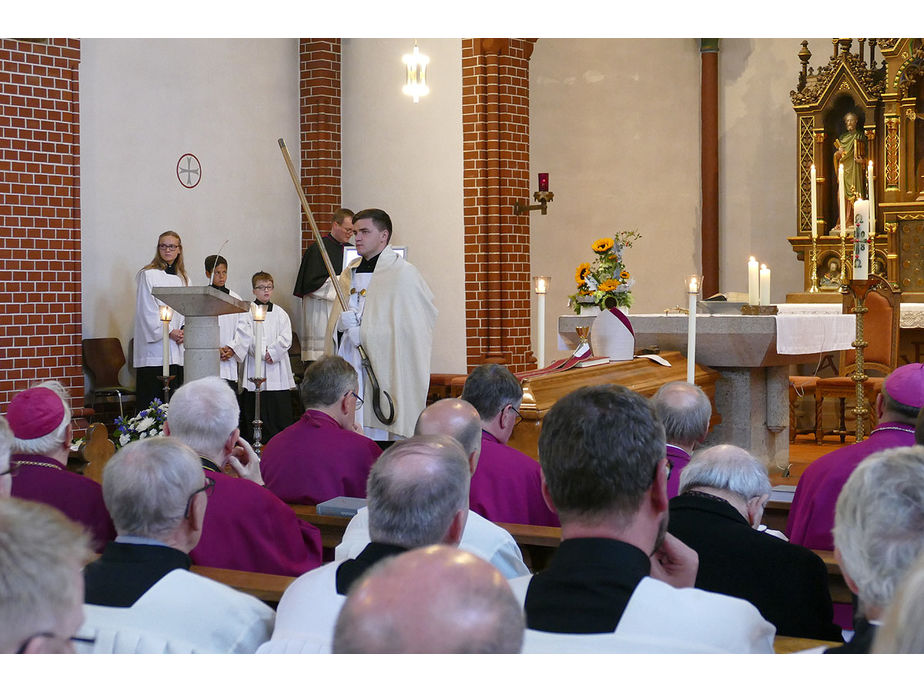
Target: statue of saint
x=850, y=151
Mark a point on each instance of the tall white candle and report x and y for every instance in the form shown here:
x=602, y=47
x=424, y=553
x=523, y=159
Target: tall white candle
x=540, y=324
x=753, y=282
x=872, y=200
x=764, y=286
x=259, y=313
x=860, y=240
x=165, y=317
x=814, y=204
x=840, y=198
x=692, y=294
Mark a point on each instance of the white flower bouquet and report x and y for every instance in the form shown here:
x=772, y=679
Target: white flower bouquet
x=147, y=423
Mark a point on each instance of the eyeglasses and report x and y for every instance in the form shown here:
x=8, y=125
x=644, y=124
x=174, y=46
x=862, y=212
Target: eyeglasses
x=209, y=485
x=264, y=287
x=12, y=471
x=517, y=412
x=73, y=638
x=167, y=246
x=359, y=400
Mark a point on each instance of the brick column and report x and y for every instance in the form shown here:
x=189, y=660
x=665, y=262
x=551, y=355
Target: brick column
x=40, y=296
x=495, y=124
x=319, y=105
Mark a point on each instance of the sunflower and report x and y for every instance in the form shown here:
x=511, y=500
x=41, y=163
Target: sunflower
x=609, y=285
x=624, y=275
x=580, y=274
x=602, y=245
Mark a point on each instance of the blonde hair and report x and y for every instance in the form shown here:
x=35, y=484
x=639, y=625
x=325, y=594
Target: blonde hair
x=41, y=552
x=158, y=261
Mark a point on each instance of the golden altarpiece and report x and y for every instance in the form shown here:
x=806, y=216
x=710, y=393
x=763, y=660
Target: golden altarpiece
x=873, y=89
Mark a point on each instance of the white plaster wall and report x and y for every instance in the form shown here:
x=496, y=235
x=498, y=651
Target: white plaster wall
x=406, y=158
x=616, y=123
x=144, y=103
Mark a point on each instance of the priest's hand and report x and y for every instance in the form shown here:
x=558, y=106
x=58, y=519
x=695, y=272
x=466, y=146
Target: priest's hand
x=348, y=322
x=225, y=353
x=674, y=563
x=245, y=462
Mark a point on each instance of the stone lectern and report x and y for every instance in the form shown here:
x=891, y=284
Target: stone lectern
x=200, y=306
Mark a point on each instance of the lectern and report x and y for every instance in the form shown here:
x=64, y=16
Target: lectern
x=200, y=306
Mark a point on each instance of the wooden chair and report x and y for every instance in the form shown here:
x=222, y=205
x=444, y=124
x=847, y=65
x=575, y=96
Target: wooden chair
x=801, y=386
x=104, y=358
x=881, y=325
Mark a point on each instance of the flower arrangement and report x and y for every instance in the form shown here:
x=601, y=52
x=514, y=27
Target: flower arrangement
x=147, y=423
x=605, y=282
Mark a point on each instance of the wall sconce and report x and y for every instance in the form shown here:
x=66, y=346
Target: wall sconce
x=541, y=287
x=416, y=82
x=542, y=196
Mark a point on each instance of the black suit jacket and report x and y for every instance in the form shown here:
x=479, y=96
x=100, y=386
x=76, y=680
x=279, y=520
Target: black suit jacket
x=125, y=571
x=787, y=583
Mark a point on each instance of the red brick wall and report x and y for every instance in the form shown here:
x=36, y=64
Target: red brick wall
x=495, y=123
x=40, y=296
x=319, y=99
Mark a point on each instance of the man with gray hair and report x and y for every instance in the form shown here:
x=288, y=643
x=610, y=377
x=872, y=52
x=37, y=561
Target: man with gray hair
x=247, y=528
x=157, y=494
x=506, y=487
x=684, y=410
x=6, y=444
x=879, y=534
x=418, y=495
x=459, y=420
x=433, y=600
x=723, y=492
x=42, y=555
x=40, y=419
x=322, y=455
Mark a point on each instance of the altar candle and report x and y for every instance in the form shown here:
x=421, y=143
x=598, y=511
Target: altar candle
x=259, y=313
x=753, y=282
x=872, y=200
x=764, y=286
x=860, y=239
x=165, y=316
x=815, y=204
x=692, y=294
x=840, y=198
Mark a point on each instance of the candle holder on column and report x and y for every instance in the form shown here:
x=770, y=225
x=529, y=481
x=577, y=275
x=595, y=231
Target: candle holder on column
x=257, y=423
x=843, y=257
x=814, y=259
x=165, y=379
x=860, y=289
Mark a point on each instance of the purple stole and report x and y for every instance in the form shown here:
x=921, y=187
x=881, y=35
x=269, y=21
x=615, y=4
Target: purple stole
x=679, y=458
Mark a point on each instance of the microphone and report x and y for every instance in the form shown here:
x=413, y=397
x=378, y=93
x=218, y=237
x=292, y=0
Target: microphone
x=217, y=255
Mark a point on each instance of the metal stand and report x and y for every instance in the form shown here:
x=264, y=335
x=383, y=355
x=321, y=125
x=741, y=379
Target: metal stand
x=165, y=379
x=843, y=258
x=257, y=423
x=814, y=287
x=860, y=288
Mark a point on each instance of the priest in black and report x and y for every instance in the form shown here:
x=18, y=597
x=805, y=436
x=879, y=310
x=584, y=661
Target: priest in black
x=723, y=492
x=314, y=287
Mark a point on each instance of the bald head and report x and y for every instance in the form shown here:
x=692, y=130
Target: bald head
x=455, y=418
x=436, y=599
x=684, y=410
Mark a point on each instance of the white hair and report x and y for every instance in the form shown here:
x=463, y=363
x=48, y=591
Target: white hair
x=879, y=522
x=49, y=442
x=684, y=410
x=902, y=630
x=203, y=413
x=729, y=468
x=6, y=444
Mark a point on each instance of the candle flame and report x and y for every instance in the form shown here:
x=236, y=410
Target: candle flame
x=166, y=314
x=763, y=267
x=259, y=312
x=752, y=259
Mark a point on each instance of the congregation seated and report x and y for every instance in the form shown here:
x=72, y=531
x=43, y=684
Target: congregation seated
x=879, y=534
x=158, y=496
x=684, y=410
x=617, y=570
x=321, y=456
x=506, y=485
x=459, y=420
x=432, y=600
x=811, y=515
x=247, y=527
x=902, y=629
x=418, y=495
x=42, y=554
x=723, y=492
x=40, y=419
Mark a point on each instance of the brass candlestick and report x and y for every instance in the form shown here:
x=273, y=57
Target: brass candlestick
x=872, y=252
x=843, y=257
x=257, y=423
x=860, y=289
x=814, y=288
x=165, y=379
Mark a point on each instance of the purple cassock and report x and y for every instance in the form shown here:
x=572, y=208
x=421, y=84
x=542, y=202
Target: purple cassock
x=314, y=460
x=811, y=517
x=45, y=480
x=506, y=486
x=679, y=458
x=247, y=528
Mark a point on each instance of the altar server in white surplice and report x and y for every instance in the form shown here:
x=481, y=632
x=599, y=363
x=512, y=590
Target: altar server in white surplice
x=391, y=314
x=216, y=269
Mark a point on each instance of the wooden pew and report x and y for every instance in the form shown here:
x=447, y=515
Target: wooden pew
x=784, y=644
x=264, y=586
